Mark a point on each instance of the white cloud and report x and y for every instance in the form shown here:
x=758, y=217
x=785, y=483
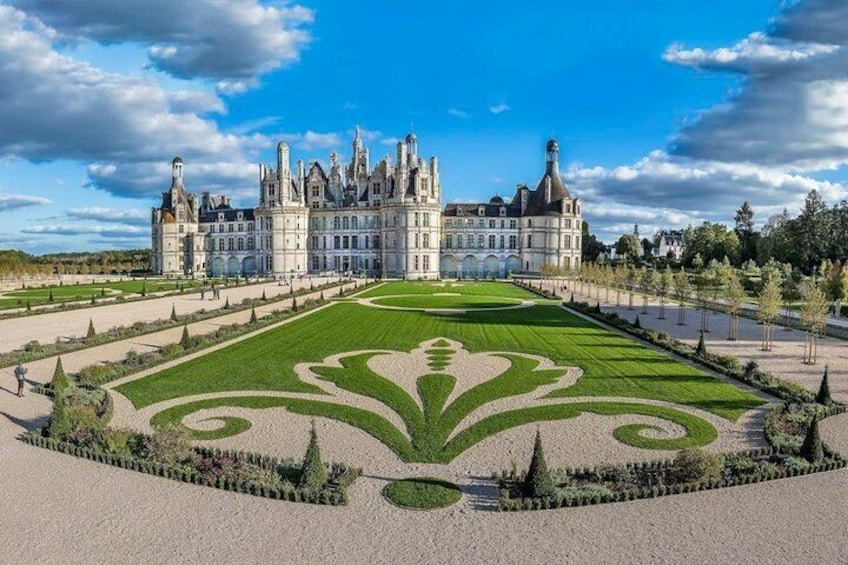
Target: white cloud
x=230, y=42
x=131, y=216
x=104, y=231
x=498, y=108
x=457, y=113
x=16, y=201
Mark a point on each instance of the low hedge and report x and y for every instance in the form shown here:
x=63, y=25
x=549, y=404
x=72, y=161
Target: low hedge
x=33, y=351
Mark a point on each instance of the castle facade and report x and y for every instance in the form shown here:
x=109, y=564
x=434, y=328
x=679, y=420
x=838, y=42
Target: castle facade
x=384, y=220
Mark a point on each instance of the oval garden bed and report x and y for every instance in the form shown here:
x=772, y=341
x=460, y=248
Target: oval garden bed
x=422, y=493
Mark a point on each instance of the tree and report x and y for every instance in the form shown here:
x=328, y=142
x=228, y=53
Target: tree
x=813, y=231
x=812, y=449
x=744, y=230
x=735, y=300
x=590, y=247
x=645, y=282
x=631, y=282
x=313, y=472
x=813, y=317
x=768, y=308
x=173, y=313
x=628, y=247
x=823, y=396
x=682, y=289
x=711, y=242
x=701, y=348
x=538, y=482
x=185, y=340
x=253, y=318
x=60, y=379
x=662, y=283
x=91, y=332
x=294, y=304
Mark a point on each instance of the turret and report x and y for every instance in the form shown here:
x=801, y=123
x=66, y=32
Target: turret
x=177, y=171
x=412, y=147
x=552, y=156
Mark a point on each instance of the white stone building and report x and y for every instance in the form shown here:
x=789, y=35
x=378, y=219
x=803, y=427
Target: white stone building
x=671, y=245
x=384, y=220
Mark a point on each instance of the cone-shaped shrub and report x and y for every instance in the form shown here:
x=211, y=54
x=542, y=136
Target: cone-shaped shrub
x=313, y=473
x=91, y=332
x=538, y=482
x=264, y=298
x=701, y=349
x=173, y=313
x=253, y=315
x=144, y=289
x=598, y=307
x=823, y=396
x=322, y=296
x=636, y=323
x=50, y=296
x=93, y=300
x=294, y=304
x=812, y=449
x=572, y=298
x=227, y=303
x=102, y=291
x=28, y=306
x=185, y=340
x=60, y=379
x=291, y=287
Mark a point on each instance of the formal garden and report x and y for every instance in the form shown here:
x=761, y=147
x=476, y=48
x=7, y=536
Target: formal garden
x=448, y=375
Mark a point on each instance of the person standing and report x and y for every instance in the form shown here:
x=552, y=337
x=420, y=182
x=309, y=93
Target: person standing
x=20, y=374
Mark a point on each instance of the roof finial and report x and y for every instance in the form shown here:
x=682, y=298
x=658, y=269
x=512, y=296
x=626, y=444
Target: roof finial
x=356, y=130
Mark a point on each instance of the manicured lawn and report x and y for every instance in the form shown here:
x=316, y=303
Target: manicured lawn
x=112, y=288
x=424, y=493
x=506, y=290
x=613, y=366
x=437, y=301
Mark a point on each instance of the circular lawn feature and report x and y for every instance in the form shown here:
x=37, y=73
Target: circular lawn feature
x=422, y=493
x=453, y=302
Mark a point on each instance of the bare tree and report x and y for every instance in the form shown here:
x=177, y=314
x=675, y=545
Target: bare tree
x=735, y=300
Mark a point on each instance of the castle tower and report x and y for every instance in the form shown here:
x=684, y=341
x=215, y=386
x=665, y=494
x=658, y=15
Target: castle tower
x=282, y=219
x=177, y=248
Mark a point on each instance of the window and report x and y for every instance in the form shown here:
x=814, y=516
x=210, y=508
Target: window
x=512, y=224
x=449, y=241
x=337, y=242
x=182, y=228
x=576, y=245
x=230, y=227
x=492, y=224
x=416, y=242
x=567, y=223
x=346, y=223
x=426, y=220
x=416, y=220
x=448, y=222
x=481, y=210
x=251, y=244
x=324, y=242
x=241, y=244
x=314, y=262
x=314, y=242
x=502, y=242
x=220, y=228
x=529, y=223
x=315, y=192
x=491, y=242
x=376, y=242
x=230, y=244
x=221, y=244
x=354, y=222
x=469, y=241
x=337, y=223
x=241, y=227
x=481, y=241
x=346, y=242
x=426, y=262
x=512, y=242
x=250, y=226
x=502, y=212
x=529, y=241
x=366, y=242
x=426, y=241
x=354, y=242
x=481, y=223
x=567, y=243
x=415, y=268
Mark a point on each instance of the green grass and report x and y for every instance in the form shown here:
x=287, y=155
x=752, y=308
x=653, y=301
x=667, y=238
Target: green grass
x=613, y=365
x=458, y=302
x=505, y=290
x=425, y=493
x=74, y=291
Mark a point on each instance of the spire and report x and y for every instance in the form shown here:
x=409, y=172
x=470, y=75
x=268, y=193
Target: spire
x=552, y=156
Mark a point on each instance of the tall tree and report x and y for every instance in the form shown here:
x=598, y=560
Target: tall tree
x=590, y=246
x=735, y=300
x=744, y=230
x=628, y=247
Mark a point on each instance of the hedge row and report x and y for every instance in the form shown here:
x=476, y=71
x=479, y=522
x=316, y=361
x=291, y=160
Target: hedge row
x=33, y=351
x=333, y=494
x=506, y=503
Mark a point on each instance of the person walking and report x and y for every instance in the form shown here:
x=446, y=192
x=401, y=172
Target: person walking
x=20, y=374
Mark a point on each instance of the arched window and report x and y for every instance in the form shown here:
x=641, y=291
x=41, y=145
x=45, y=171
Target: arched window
x=354, y=222
x=346, y=223
x=241, y=244
x=337, y=223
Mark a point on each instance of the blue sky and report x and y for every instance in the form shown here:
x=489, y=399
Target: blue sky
x=669, y=112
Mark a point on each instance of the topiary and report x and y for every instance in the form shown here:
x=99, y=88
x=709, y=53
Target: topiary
x=252, y=316
x=294, y=305
x=636, y=323
x=697, y=465
x=50, y=296
x=538, y=481
x=812, y=449
x=28, y=306
x=93, y=300
x=91, y=332
x=823, y=396
x=60, y=379
x=701, y=349
x=313, y=473
x=144, y=289
x=173, y=313
x=185, y=340
x=227, y=304
x=264, y=298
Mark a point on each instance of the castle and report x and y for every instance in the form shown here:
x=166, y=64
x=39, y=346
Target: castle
x=386, y=220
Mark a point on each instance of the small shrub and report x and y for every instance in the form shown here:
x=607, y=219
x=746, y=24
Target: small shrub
x=60, y=379
x=173, y=313
x=313, y=472
x=253, y=319
x=636, y=323
x=91, y=331
x=185, y=340
x=823, y=396
x=169, y=445
x=538, y=482
x=701, y=349
x=698, y=465
x=812, y=449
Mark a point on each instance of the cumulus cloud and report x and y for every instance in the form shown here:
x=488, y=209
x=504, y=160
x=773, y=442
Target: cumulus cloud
x=104, y=231
x=792, y=108
x=229, y=42
x=15, y=201
x=665, y=191
x=498, y=108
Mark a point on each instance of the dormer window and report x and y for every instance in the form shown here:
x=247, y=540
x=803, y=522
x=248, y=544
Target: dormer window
x=481, y=210
x=502, y=211
x=240, y=217
x=220, y=216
